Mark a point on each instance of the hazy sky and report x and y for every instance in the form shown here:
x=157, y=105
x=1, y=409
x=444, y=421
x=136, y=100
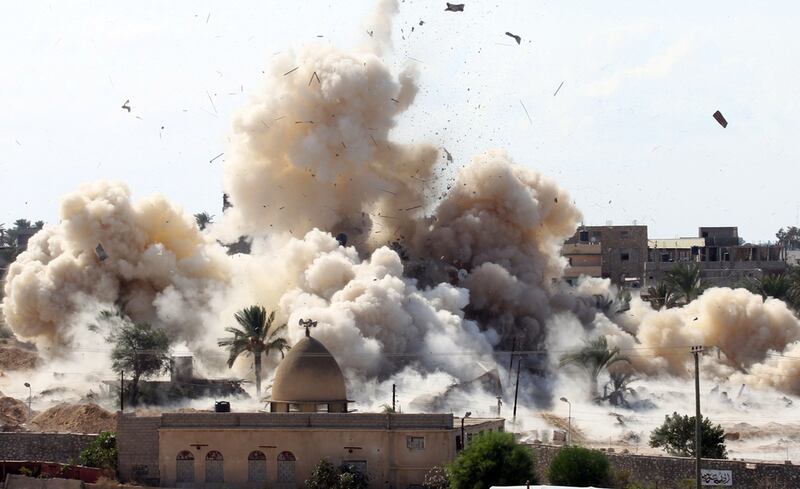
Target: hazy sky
x=630, y=133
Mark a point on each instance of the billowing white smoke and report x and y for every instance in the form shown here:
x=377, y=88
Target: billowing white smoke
x=152, y=260
x=310, y=158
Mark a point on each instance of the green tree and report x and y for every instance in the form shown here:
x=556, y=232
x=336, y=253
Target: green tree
x=324, y=475
x=22, y=224
x=793, y=275
x=492, y=459
x=685, y=280
x=661, y=296
x=789, y=237
x=203, y=219
x=594, y=357
x=140, y=350
x=578, y=466
x=101, y=452
x=38, y=224
x=256, y=337
x=676, y=437
x=778, y=286
x=617, y=387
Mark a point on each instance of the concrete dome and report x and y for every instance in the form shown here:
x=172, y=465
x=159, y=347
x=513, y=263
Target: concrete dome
x=309, y=373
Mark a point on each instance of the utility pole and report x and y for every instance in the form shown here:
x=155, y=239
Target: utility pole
x=499, y=403
x=394, y=398
x=121, y=391
x=511, y=362
x=516, y=391
x=696, y=350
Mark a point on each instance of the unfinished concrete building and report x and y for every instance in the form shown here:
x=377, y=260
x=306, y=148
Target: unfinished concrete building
x=623, y=251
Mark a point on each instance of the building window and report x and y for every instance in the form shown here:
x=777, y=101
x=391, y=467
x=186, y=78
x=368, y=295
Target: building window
x=583, y=236
x=596, y=236
x=294, y=407
x=323, y=408
x=214, y=469
x=624, y=256
x=415, y=442
x=286, y=467
x=256, y=467
x=184, y=467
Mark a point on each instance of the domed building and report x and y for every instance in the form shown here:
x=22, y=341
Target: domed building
x=309, y=380
x=308, y=421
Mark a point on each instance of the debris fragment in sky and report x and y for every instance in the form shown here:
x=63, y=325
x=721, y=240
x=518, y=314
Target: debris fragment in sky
x=292, y=70
x=314, y=75
x=526, y=112
x=371, y=33
x=447, y=155
x=214, y=158
x=718, y=116
x=515, y=37
x=557, y=89
x=126, y=106
x=100, y=252
x=454, y=7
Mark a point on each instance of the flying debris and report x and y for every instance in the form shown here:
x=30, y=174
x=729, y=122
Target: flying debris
x=515, y=37
x=454, y=7
x=214, y=158
x=128, y=107
x=718, y=116
x=100, y=252
x=292, y=70
x=342, y=239
x=447, y=155
x=557, y=89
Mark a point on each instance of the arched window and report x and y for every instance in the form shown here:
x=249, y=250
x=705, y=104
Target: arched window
x=256, y=467
x=214, y=469
x=286, y=467
x=184, y=467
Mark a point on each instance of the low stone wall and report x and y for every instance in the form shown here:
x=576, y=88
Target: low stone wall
x=44, y=447
x=673, y=472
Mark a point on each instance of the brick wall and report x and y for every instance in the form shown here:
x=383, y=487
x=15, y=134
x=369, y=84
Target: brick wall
x=137, y=441
x=672, y=472
x=43, y=447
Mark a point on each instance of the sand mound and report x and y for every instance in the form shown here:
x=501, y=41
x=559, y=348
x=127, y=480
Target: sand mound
x=17, y=359
x=75, y=418
x=13, y=412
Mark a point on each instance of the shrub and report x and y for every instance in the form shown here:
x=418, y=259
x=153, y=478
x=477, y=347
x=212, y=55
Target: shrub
x=578, y=466
x=102, y=452
x=492, y=459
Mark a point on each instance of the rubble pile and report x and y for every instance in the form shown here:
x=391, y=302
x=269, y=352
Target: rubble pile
x=75, y=418
x=13, y=413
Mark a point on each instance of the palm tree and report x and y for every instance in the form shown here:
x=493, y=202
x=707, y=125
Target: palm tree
x=618, y=383
x=38, y=224
x=778, y=286
x=203, y=219
x=256, y=337
x=661, y=296
x=686, y=281
x=20, y=224
x=594, y=357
